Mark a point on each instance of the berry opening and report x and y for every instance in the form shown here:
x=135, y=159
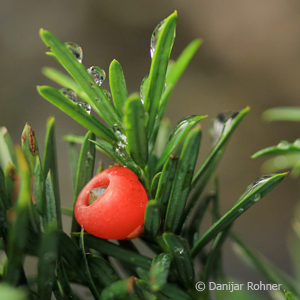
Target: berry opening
x=96, y=193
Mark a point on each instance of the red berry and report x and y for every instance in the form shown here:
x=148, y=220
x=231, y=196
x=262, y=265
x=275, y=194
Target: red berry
x=119, y=212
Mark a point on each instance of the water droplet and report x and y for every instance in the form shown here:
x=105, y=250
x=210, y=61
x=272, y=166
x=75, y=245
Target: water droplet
x=229, y=121
x=241, y=210
x=218, y=126
x=73, y=97
x=256, y=183
x=178, y=250
x=120, y=135
x=98, y=74
x=297, y=143
x=234, y=115
x=120, y=149
x=216, y=129
x=121, y=144
x=76, y=50
x=154, y=38
x=222, y=117
x=70, y=94
x=86, y=107
x=107, y=93
x=96, y=193
x=257, y=197
x=283, y=145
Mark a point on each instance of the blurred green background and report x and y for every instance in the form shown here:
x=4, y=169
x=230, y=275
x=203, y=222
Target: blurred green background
x=250, y=56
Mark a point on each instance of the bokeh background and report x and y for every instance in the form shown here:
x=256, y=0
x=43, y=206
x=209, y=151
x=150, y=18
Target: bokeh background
x=250, y=56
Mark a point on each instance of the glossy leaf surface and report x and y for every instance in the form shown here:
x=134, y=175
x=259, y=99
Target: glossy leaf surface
x=158, y=68
x=254, y=192
x=182, y=181
x=135, y=121
x=117, y=85
x=96, y=96
x=76, y=112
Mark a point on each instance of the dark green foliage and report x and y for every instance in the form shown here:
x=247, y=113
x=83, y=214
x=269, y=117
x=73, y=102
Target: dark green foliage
x=159, y=271
x=182, y=181
x=179, y=250
x=108, y=248
x=152, y=218
x=50, y=167
x=178, y=134
x=48, y=252
x=132, y=133
x=84, y=170
x=135, y=129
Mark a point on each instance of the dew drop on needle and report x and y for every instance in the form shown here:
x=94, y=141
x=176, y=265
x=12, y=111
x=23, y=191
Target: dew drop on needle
x=155, y=36
x=76, y=50
x=69, y=93
x=98, y=74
